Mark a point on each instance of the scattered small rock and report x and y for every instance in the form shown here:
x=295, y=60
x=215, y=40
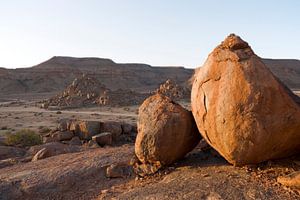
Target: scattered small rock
x=113, y=127
x=119, y=171
x=103, y=138
x=86, y=129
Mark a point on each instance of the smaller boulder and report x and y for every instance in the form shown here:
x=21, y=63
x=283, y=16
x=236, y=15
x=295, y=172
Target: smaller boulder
x=75, y=141
x=166, y=131
x=113, y=127
x=49, y=139
x=103, y=138
x=87, y=129
x=74, y=126
x=126, y=128
x=292, y=180
x=41, y=154
x=62, y=135
x=63, y=125
x=93, y=144
x=50, y=149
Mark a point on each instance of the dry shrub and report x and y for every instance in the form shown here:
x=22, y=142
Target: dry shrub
x=24, y=138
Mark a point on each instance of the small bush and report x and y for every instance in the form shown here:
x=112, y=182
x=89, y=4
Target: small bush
x=24, y=138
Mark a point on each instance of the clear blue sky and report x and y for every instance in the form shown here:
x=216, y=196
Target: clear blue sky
x=157, y=32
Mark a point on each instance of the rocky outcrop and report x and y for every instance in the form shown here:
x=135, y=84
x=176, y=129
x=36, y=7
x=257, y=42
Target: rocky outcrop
x=85, y=90
x=80, y=175
x=123, y=97
x=166, y=131
x=174, y=91
x=241, y=109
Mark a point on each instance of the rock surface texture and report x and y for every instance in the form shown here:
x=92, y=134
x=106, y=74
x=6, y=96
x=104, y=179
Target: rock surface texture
x=242, y=109
x=291, y=180
x=166, y=131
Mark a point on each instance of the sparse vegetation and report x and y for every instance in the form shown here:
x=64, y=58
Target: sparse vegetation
x=24, y=138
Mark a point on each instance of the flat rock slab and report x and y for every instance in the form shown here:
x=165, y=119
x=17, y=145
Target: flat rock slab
x=69, y=176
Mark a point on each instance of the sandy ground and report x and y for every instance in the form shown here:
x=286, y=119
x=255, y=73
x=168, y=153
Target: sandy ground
x=201, y=175
x=16, y=116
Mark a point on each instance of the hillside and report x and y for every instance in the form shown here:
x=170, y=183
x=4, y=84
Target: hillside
x=56, y=73
x=288, y=70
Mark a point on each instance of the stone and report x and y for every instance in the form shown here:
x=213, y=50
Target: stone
x=62, y=135
x=292, y=180
x=11, y=152
x=92, y=144
x=63, y=125
x=103, y=138
x=87, y=129
x=49, y=139
x=50, y=149
x=126, y=128
x=119, y=171
x=75, y=141
x=8, y=162
x=74, y=126
x=113, y=127
x=166, y=131
x=41, y=154
x=241, y=109
x=146, y=169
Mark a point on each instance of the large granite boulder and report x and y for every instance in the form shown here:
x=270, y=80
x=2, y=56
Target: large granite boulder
x=242, y=109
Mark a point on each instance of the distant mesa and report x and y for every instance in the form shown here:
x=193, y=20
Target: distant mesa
x=55, y=74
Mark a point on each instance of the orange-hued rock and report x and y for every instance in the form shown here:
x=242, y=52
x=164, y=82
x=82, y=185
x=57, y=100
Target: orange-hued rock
x=242, y=109
x=291, y=180
x=166, y=131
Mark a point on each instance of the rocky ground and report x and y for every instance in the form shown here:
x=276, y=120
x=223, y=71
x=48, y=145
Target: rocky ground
x=203, y=174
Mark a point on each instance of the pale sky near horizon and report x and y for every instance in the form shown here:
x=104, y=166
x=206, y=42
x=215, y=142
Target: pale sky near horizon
x=156, y=32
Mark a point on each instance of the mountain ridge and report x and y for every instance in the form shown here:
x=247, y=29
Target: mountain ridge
x=54, y=74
